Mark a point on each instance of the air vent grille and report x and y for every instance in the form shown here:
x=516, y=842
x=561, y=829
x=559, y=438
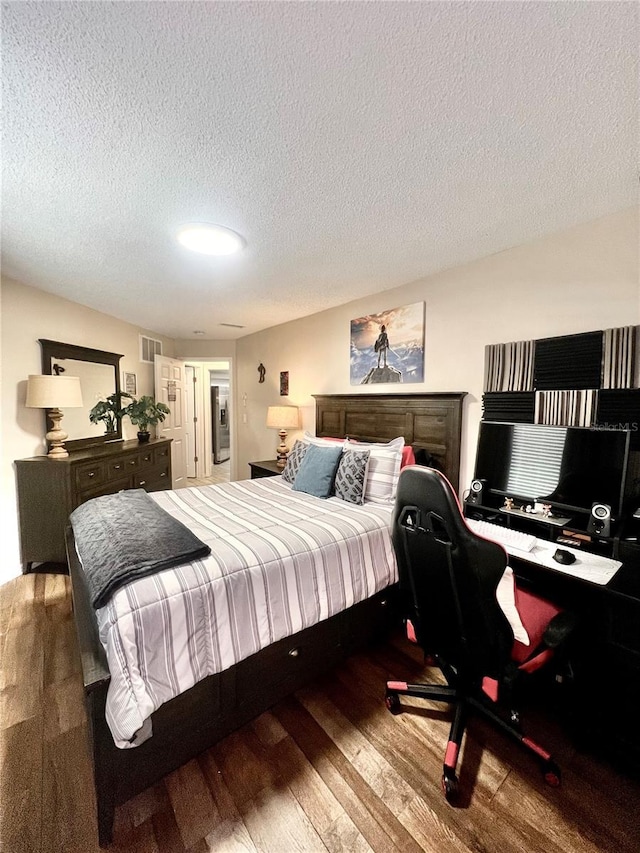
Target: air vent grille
x=149, y=348
x=231, y=325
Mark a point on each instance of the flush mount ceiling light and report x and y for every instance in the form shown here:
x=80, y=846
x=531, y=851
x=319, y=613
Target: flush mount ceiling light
x=210, y=239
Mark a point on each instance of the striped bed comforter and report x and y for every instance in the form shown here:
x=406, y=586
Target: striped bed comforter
x=280, y=561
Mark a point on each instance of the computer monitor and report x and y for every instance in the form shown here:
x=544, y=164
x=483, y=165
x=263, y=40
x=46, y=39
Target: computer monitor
x=570, y=468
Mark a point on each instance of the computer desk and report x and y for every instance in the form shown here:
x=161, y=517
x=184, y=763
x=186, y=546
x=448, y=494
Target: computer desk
x=605, y=655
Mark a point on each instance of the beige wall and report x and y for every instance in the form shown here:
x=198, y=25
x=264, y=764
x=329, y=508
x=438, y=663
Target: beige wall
x=199, y=350
x=582, y=279
x=27, y=315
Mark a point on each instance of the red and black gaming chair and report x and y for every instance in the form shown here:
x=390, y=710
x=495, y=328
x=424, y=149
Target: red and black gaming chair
x=450, y=576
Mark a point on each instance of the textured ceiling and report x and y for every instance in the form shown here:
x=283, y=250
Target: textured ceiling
x=356, y=146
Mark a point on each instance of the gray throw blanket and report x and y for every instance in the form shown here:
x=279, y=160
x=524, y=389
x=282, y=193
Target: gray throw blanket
x=126, y=536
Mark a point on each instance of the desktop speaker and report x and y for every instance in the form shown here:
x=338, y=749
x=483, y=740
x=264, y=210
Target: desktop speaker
x=475, y=492
x=600, y=520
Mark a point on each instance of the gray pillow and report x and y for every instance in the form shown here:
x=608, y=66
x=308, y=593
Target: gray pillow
x=318, y=470
x=351, y=476
x=295, y=457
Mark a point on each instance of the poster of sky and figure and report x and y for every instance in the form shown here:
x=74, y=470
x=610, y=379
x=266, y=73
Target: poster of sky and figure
x=389, y=346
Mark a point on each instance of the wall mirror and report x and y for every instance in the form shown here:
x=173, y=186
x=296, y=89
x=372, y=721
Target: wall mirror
x=99, y=374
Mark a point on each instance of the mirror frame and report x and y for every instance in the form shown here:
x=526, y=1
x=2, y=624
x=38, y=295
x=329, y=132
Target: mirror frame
x=56, y=349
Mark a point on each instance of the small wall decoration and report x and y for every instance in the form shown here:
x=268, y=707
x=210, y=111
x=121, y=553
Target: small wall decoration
x=261, y=372
x=284, y=383
x=388, y=347
x=130, y=385
x=171, y=391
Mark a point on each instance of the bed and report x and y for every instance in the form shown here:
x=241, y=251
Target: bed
x=302, y=642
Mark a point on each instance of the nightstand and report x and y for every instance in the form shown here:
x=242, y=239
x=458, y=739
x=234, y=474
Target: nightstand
x=268, y=468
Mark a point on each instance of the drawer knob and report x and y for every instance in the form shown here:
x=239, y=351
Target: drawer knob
x=294, y=653
x=117, y=467
x=91, y=474
x=164, y=474
x=132, y=462
x=143, y=482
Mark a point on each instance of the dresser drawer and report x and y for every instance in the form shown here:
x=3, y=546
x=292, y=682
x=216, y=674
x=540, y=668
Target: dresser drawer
x=89, y=475
x=146, y=458
x=119, y=468
x=290, y=662
x=109, y=488
x=145, y=480
x=162, y=455
x=154, y=480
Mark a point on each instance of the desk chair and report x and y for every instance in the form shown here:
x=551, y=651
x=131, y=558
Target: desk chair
x=450, y=576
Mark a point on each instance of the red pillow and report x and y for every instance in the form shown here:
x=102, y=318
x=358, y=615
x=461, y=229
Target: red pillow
x=408, y=457
x=536, y=613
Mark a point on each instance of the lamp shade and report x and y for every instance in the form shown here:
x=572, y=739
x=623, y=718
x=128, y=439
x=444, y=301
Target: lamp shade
x=283, y=417
x=53, y=392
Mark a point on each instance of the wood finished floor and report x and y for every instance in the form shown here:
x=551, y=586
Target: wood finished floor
x=219, y=474
x=326, y=770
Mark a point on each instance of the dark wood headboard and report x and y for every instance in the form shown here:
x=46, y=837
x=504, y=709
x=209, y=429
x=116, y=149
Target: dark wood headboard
x=429, y=421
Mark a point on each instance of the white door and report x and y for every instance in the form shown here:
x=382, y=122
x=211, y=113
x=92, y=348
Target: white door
x=170, y=389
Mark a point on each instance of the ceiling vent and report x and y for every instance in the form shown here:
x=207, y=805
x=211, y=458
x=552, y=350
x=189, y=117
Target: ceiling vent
x=149, y=348
x=231, y=325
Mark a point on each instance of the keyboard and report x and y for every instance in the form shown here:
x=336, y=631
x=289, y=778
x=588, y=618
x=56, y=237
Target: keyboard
x=504, y=536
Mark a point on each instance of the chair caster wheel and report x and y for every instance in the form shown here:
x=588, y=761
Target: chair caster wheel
x=450, y=787
x=552, y=774
x=393, y=703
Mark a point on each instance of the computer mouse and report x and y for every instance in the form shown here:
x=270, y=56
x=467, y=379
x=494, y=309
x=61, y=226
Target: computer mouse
x=564, y=557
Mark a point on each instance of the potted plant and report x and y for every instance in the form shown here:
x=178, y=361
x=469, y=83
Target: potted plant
x=144, y=413
x=109, y=411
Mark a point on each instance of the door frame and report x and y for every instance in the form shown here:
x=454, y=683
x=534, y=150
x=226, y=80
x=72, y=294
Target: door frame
x=192, y=442
x=204, y=442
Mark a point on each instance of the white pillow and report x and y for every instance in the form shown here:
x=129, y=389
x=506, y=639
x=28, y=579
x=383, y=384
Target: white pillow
x=323, y=442
x=384, y=469
x=506, y=595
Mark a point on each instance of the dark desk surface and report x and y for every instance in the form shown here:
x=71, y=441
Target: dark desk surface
x=606, y=642
x=626, y=581
x=626, y=549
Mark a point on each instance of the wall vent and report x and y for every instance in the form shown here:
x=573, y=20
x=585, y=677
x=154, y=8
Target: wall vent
x=149, y=348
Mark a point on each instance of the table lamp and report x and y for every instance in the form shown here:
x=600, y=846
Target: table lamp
x=54, y=393
x=283, y=418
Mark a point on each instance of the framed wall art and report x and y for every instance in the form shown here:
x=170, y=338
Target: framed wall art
x=130, y=384
x=388, y=347
x=284, y=383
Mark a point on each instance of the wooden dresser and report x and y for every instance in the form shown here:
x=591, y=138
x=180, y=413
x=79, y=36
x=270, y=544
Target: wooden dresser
x=49, y=489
